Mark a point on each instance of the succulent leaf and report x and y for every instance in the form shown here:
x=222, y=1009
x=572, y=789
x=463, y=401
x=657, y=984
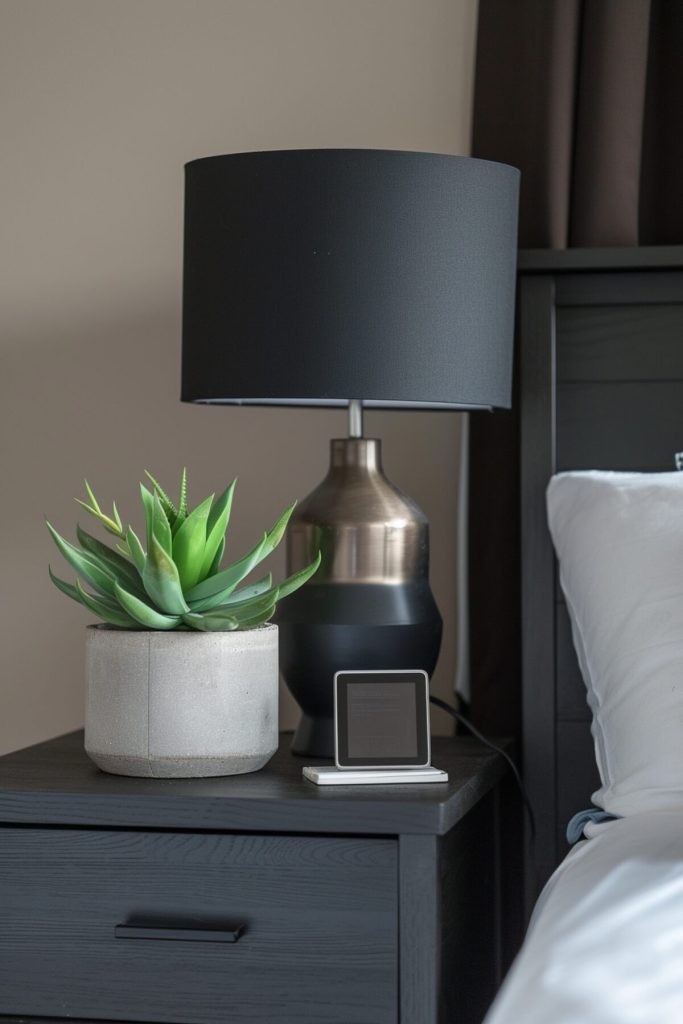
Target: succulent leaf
x=216, y=525
x=276, y=532
x=219, y=622
x=109, y=524
x=143, y=613
x=253, y=614
x=117, y=518
x=253, y=590
x=76, y=593
x=258, y=619
x=210, y=625
x=85, y=564
x=216, y=564
x=189, y=545
x=213, y=590
x=92, y=497
x=115, y=563
x=297, y=579
x=160, y=526
x=169, y=508
x=161, y=581
x=66, y=588
x=148, y=509
x=243, y=604
x=182, y=501
x=106, y=611
x=136, y=552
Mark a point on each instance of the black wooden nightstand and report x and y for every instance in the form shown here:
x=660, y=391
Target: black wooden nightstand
x=252, y=898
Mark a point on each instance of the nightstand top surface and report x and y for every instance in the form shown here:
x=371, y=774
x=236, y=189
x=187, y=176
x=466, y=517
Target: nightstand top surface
x=55, y=783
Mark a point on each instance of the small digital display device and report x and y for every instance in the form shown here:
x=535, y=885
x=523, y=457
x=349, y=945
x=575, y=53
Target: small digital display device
x=381, y=719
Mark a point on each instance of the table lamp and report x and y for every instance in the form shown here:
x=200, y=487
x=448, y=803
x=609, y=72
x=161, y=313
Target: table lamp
x=363, y=279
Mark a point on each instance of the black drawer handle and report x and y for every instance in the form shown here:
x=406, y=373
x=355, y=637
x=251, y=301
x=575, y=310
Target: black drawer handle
x=178, y=934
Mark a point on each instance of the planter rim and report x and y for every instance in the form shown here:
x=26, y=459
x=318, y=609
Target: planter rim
x=237, y=638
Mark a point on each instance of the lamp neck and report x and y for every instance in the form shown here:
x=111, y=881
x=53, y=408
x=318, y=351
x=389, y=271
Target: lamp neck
x=355, y=455
x=355, y=417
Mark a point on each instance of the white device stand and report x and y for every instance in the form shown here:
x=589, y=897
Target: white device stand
x=328, y=775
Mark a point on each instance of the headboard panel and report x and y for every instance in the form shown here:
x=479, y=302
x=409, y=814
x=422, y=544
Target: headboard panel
x=601, y=387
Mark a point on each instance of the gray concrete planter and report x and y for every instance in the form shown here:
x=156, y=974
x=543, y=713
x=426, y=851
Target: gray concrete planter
x=181, y=704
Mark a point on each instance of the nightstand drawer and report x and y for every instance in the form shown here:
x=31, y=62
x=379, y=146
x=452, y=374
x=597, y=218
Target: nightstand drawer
x=198, y=928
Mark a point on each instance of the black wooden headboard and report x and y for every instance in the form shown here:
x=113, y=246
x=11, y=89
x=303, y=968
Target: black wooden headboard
x=600, y=387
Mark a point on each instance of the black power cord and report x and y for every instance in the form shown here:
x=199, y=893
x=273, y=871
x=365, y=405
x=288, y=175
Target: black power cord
x=475, y=732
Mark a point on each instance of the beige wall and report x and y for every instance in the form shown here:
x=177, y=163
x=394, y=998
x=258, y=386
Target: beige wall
x=101, y=103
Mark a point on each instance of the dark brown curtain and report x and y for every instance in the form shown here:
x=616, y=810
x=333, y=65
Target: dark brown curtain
x=586, y=98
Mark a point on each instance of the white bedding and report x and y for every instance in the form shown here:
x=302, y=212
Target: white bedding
x=605, y=944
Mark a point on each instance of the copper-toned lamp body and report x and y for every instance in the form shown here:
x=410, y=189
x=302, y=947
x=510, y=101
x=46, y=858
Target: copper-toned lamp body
x=369, y=605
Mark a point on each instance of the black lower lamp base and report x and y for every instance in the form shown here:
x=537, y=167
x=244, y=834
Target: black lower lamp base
x=314, y=737
x=327, y=628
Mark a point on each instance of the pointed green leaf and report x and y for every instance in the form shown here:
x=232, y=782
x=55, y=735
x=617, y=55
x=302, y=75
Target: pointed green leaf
x=92, y=497
x=66, y=588
x=106, y=522
x=160, y=526
x=255, y=606
x=208, y=624
x=136, y=552
x=85, y=564
x=148, y=508
x=74, y=592
x=182, y=501
x=115, y=563
x=297, y=579
x=216, y=526
x=248, y=601
x=216, y=564
x=222, y=502
x=143, y=613
x=258, y=611
x=114, y=616
x=258, y=619
x=161, y=581
x=276, y=532
x=117, y=518
x=246, y=593
x=189, y=544
x=216, y=588
x=170, y=511
x=88, y=508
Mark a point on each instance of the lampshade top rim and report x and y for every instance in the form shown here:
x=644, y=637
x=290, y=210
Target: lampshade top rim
x=459, y=157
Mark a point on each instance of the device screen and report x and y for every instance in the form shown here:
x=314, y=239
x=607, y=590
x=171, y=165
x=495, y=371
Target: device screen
x=382, y=719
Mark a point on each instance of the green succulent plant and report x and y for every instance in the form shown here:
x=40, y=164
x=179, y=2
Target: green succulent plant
x=178, y=582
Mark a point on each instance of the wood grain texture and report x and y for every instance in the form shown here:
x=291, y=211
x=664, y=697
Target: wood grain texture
x=320, y=917
x=612, y=400
x=607, y=342
x=54, y=783
x=449, y=921
x=470, y=916
x=622, y=425
x=420, y=928
x=630, y=287
x=567, y=261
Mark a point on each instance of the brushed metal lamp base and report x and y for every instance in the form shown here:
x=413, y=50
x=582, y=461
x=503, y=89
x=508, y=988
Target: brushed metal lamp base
x=369, y=606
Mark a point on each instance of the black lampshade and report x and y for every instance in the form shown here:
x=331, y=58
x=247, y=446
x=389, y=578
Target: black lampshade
x=312, y=277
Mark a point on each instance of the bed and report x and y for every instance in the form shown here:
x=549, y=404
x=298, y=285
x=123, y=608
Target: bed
x=600, y=387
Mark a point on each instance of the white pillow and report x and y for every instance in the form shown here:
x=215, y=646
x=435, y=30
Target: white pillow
x=619, y=541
